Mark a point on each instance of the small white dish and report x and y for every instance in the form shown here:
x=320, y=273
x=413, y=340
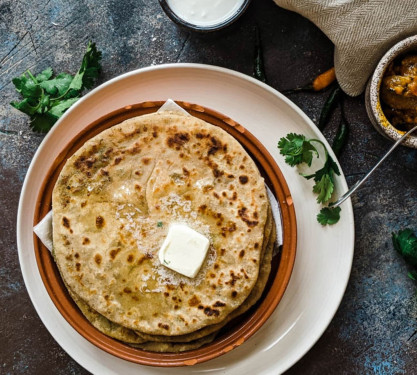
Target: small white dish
x=206, y=16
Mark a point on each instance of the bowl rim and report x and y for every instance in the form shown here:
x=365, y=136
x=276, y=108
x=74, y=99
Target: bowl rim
x=381, y=123
x=239, y=334
x=203, y=29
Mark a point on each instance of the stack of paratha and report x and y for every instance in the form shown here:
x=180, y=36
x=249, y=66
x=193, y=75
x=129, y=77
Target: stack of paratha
x=112, y=205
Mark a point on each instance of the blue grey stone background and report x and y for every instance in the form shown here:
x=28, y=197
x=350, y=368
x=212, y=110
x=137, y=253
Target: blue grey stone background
x=374, y=329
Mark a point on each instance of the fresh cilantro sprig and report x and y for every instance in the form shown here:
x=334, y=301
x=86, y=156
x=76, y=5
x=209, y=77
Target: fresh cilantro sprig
x=324, y=179
x=405, y=242
x=46, y=98
x=297, y=149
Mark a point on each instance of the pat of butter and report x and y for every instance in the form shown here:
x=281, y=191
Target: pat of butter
x=183, y=250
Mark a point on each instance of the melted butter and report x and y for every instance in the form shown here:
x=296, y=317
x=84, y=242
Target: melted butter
x=205, y=12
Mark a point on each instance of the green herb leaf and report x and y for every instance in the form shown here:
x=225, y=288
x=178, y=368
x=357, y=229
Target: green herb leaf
x=296, y=149
x=29, y=88
x=43, y=122
x=405, y=242
x=159, y=224
x=58, y=85
x=329, y=215
x=324, y=188
x=25, y=107
x=59, y=109
x=45, y=75
x=46, y=98
x=89, y=71
x=324, y=179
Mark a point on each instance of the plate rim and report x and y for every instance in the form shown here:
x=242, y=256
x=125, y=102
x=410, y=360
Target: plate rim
x=302, y=350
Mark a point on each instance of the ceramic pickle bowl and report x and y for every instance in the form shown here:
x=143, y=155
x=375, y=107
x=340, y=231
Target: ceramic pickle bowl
x=372, y=96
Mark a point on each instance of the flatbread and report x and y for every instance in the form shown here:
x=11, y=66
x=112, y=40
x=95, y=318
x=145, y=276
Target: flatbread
x=208, y=334
x=129, y=336
x=114, y=192
x=270, y=235
x=104, y=325
x=175, y=347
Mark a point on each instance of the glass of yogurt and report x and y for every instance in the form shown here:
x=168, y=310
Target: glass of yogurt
x=204, y=15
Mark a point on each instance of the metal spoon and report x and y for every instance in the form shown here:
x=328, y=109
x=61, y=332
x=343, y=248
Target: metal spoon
x=360, y=182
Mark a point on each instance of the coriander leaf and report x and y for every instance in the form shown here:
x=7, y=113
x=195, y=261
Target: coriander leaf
x=332, y=165
x=59, y=109
x=58, y=85
x=329, y=215
x=43, y=122
x=19, y=82
x=405, y=242
x=324, y=180
x=30, y=89
x=324, y=188
x=296, y=149
x=90, y=68
x=45, y=75
x=46, y=98
x=43, y=104
x=25, y=107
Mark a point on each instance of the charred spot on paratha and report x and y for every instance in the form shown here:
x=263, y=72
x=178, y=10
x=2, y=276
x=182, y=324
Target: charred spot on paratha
x=243, y=213
x=66, y=222
x=100, y=222
x=243, y=179
x=114, y=252
x=178, y=140
x=215, y=146
x=164, y=326
x=98, y=259
x=230, y=227
x=209, y=311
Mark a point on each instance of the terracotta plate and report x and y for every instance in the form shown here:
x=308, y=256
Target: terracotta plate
x=236, y=332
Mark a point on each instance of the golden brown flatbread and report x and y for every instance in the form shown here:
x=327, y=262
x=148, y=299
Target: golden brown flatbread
x=113, y=203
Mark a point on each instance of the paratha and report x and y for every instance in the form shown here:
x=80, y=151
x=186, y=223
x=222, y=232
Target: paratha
x=112, y=205
x=104, y=325
x=265, y=268
x=192, y=340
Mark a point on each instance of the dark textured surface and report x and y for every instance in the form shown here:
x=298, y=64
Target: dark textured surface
x=372, y=331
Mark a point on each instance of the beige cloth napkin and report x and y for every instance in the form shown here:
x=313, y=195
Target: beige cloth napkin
x=361, y=30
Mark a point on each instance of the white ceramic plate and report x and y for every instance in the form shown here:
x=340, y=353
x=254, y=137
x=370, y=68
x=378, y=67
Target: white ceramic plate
x=324, y=254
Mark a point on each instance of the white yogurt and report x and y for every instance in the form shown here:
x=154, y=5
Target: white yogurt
x=205, y=12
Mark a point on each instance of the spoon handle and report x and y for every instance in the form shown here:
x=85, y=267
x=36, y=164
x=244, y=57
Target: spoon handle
x=360, y=182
